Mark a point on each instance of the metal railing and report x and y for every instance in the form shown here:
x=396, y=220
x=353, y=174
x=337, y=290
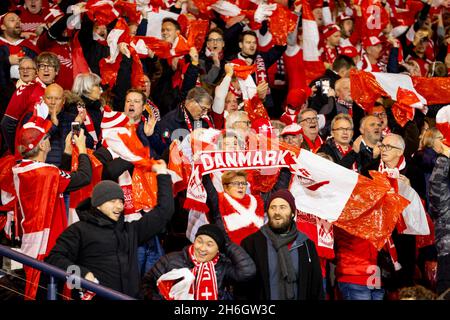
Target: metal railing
x=56, y=273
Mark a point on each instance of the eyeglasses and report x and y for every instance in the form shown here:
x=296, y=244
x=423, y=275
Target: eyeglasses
x=343, y=129
x=388, y=147
x=45, y=66
x=81, y=105
x=238, y=184
x=204, y=108
x=310, y=120
x=215, y=40
x=379, y=114
x=26, y=69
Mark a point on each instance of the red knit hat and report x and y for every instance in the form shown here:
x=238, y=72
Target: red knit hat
x=349, y=51
x=292, y=129
x=296, y=98
x=285, y=195
x=371, y=41
x=330, y=29
x=35, y=129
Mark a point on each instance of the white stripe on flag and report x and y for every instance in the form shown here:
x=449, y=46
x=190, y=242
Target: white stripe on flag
x=328, y=200
x=35, y=243
x=390, y=82
x=414, y=214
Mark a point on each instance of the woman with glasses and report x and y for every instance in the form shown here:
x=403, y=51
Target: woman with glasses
x=87, y=87
x=234, y=210
x=212, y=59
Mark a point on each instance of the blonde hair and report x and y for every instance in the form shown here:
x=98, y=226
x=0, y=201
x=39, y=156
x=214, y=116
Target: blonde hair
x=230, y=175
x=429, y=136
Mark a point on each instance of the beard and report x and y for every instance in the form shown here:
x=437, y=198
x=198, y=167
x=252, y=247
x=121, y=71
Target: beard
x=280, y=228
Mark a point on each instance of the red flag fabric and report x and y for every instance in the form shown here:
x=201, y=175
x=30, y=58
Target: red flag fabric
x=78, y=61
x=443, y=123
x=101, y=12
x=180, y=165
x=243, y=71
x=43, y=221
x=196, y=33
x=128, y=10
x=367, y=87
x=79, y=195
x=160, y=47
x=281, y=22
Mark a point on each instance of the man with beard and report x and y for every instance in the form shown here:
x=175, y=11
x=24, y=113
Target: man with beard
x=287, y=265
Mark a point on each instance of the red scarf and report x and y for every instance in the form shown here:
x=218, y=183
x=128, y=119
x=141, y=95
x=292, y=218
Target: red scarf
x=394, y=172
x=241, y=217
x=89, y=124
x=261, y=73
x=329, y=54
x=189, y=122
x=313, y=147
x=205, y=286
x=385, y=132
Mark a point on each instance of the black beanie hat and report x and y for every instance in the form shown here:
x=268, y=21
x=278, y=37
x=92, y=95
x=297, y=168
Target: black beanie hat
x=106, y=190
x=285, y=195
x=214, y=232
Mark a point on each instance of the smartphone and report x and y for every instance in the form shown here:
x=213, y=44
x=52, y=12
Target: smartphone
x=76, y=127
x=325, y=84
x=318, y=85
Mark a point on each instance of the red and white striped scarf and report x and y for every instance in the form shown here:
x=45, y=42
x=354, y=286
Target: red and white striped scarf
x=241, y=217
x=89, y=124
x=392, y=172
x=313, y=146
x=205, y=286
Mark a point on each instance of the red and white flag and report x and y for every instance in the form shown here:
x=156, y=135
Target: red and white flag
x=41, y=221
x=313, y=65
x=443, y=123
x=415, y=92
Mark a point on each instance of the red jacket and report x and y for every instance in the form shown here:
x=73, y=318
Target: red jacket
x=356, y=259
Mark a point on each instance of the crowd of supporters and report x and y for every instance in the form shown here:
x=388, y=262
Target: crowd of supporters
x=106, y=108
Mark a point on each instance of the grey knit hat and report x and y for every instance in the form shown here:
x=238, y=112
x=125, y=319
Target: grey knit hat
x=106, y=190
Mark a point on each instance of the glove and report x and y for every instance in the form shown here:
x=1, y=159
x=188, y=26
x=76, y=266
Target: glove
x=264, y=11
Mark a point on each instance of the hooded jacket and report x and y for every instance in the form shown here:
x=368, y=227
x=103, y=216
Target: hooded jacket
x=108, y=248
x=234, y=265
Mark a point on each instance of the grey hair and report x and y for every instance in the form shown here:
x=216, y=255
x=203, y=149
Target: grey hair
x=199, y=94
x=84, y=82
x=26, y=58
x=341, y=116
x=233, y=117
x=399, y=139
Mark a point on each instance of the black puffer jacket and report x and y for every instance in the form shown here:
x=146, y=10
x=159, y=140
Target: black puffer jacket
x=107, y=248
x=235, y=265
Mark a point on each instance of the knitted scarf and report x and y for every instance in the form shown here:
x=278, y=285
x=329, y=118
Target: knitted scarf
x=313, y=146
x=286, y=270
x=241, y=217
x=205, y=285
x=392, y=172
